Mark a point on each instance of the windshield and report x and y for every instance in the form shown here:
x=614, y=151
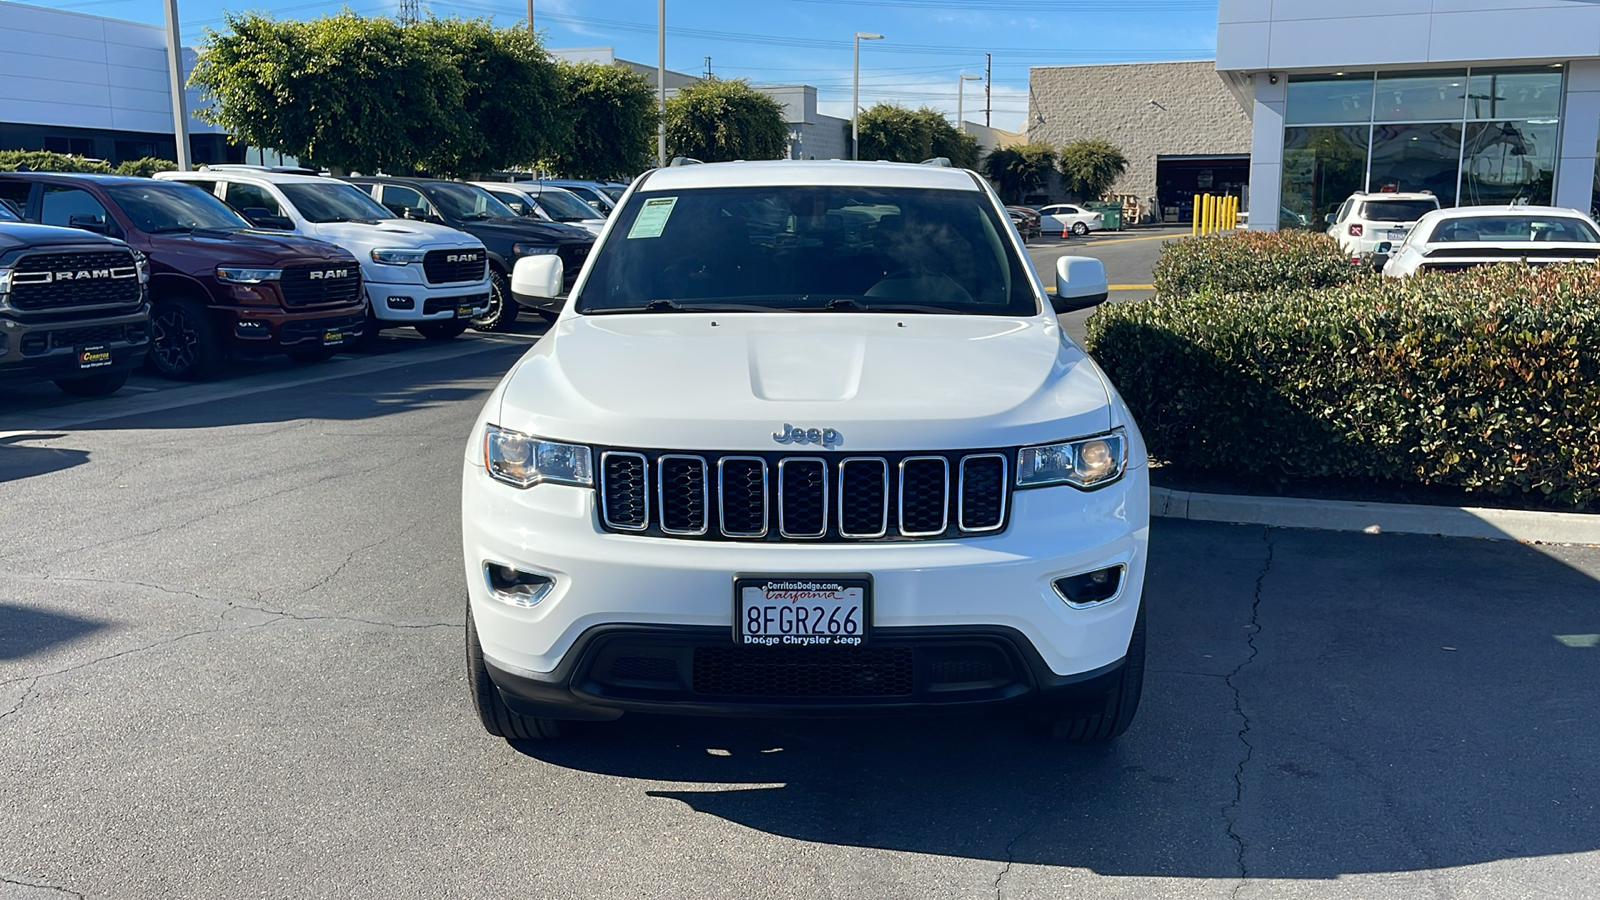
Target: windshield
x=1514, y=229
x=466, y=201
x=1397, y=210
x=167, y=206
x=333, y=202
x=589, y=195
x=808, y=248
x=564, y=207
x=614, y=192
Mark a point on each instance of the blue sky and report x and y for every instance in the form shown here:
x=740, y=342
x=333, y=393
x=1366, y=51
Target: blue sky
x=928, y=44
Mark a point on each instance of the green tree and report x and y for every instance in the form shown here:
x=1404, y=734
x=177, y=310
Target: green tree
x=894, y=133
x=717, y=120
x=1089, y=168
x=1015, y=171
x=613, y=115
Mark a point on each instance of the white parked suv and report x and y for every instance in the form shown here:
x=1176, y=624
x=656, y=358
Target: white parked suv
x=416, y=273
x=807, y=439
x=1366, y=220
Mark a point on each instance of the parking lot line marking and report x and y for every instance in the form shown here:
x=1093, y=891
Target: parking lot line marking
x=193, y=395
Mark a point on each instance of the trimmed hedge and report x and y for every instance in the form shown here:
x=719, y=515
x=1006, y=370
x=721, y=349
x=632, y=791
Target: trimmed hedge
x=1486, y=380
x=45, y=161
x=1253, y=261
x=145, y=166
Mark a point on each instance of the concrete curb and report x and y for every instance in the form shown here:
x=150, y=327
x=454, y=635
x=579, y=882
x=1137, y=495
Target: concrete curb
x=1375, y=518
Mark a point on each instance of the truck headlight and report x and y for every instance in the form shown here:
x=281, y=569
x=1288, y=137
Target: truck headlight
x=1085, y=463
x=523, y=461
x=398, y=257
x=247, y=276
x=532, y=249
x=141, y=260
x=5, y=281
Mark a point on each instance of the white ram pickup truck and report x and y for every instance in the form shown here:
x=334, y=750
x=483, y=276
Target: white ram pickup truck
x=807, y=440
x=416, y=273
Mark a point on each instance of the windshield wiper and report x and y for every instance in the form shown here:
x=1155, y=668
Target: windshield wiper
x=849, y=304
x=172, y=229
x=664, y=305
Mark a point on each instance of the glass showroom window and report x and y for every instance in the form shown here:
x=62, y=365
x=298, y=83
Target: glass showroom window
x=1416, y=157
x=1322, y=165
x=1512, y=133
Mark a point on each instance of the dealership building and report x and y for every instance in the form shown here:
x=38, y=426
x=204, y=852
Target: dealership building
x=1479, y=101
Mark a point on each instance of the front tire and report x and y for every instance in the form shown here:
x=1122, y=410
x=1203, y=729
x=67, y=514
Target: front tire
x=1115, y=714
x=1080, y=229
x=502, y=314
x=184, y=345
x=499, y=719
x=102, y=385
x=442, y=331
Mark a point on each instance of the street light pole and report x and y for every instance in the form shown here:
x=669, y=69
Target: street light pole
x=961, y=100
x=180, y=113
x=661, y=82
x=855, y=95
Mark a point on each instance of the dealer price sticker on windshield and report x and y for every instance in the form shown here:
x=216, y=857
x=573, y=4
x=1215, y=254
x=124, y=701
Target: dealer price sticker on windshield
x=804, y=611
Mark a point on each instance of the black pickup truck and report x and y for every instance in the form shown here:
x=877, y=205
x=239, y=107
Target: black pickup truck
x=73, y=308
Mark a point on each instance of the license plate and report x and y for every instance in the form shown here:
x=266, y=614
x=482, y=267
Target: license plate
x=802, y=611
x=463, y=312
x=96, y=357
x=330, y=338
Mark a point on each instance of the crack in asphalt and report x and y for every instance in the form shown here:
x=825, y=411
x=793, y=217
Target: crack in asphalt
x=42, y=887
x=349, y=559
x=1254, y=628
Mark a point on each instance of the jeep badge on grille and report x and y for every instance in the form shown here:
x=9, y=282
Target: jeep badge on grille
x=827, y=437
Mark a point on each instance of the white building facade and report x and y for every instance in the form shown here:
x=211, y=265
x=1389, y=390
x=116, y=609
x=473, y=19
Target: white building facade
x=1479, y=101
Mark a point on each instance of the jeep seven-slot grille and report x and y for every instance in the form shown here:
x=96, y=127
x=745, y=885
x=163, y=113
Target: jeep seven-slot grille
x=455, y=266
x=323, y=284
x=52, y=281
x=796, y=497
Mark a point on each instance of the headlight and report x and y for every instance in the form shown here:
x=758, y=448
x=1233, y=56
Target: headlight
x=1086, y=463
x=398, y=257
x=532, y=250
x=248, y=276
x=5, y=280
x=523, y=461
x=141, y=260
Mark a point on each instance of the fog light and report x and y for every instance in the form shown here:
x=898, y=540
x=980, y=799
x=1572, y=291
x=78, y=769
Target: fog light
x=401, y=303
x=137, y=334
x=35, y=343
x=252, y=328
x=516, y=587
x=1090, y=588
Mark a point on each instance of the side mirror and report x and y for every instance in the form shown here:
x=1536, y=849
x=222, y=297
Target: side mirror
x=1080, y=284
x=263, y=218
x=1328, y=218
x=537, y=278
x=418, y=214
x=88, y=223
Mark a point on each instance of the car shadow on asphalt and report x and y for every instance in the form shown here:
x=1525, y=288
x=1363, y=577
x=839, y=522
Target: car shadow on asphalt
x=1318, y=704
x=26, y=630
x=18, y=462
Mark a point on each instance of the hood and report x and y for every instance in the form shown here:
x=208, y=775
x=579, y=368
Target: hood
x=693, y=381
x=248, y=247
x=522, y=227
x=397, y=233
x=20, y=235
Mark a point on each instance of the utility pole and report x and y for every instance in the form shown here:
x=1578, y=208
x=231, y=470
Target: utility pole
x=708, y=68
x=180, y=112
x=530, y=19
x=988, y=85
x=855, y=95
x=410, y=12
x=661, y=82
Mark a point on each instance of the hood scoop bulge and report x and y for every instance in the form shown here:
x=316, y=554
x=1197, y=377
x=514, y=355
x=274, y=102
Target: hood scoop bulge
x=805, y=366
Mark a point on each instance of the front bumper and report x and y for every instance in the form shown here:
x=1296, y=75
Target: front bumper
x=409, y=303
x=264, y=331
x=33, y=350
x=970, y=587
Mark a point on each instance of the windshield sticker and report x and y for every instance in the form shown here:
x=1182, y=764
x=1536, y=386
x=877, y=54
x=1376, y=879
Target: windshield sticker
x=652, y=219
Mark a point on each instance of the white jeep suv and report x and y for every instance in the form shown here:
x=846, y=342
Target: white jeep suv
x=416, y=273
x=1366, y=220
x=807, y=439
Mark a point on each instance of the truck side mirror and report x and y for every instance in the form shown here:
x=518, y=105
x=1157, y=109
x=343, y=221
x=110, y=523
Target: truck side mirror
x=537, y=278
x=1080, y=284
x=88, y=223
x=265, y=218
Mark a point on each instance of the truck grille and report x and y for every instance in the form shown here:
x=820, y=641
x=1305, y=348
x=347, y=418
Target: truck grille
x=572, y=257
x=321, y=285
x=51, y=281
x=778, y=497
x=455, y=266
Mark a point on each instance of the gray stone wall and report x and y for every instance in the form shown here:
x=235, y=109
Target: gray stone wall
x=1193, y=113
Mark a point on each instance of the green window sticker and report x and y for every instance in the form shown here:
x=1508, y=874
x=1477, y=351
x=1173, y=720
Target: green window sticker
x=652, y=220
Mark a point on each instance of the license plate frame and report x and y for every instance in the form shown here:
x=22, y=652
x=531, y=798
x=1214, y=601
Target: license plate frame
x=850, y=606
x=464, y=311
x=332, y=337
x=94, y=356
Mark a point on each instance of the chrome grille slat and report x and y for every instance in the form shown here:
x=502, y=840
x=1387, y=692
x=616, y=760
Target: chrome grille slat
x=981, y=520
x=681, y=486
x=625, y=505
x=796, y=488
x=929, y=500
x=742, y=468
x=853, y=493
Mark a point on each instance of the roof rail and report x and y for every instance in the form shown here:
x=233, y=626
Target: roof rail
x=941, y=161
x=684, y=161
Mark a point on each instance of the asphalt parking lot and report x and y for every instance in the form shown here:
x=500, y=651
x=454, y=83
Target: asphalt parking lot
x=230, y=666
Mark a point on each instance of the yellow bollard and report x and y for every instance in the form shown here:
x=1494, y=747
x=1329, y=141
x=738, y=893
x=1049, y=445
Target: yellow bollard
x=1205, y=214
x=1194, y=220
x=1211, y=214
x=1233, y=214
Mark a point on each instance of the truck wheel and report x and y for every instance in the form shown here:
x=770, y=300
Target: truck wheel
x=1080, y=229
x=184, y=345
x=320, y=354
x=1115, y=715
x=101, y=385
x=497, y=718
x=442, y=331
x=502, y=314
x=369, y=334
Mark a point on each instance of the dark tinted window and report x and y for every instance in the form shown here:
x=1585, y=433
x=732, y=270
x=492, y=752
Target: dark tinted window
x=9, y=213
x=16, y=192
x=334, y=201
x=1397, y=210
x=1514, y=229
x=168, y=206
x=249, y=196
x=466, y=201
x=60, y=205
x=810, y=248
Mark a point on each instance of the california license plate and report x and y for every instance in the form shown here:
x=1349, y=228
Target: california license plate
x=331, y=338
x=463, y=312
x=96, y=357
x=802, y=611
